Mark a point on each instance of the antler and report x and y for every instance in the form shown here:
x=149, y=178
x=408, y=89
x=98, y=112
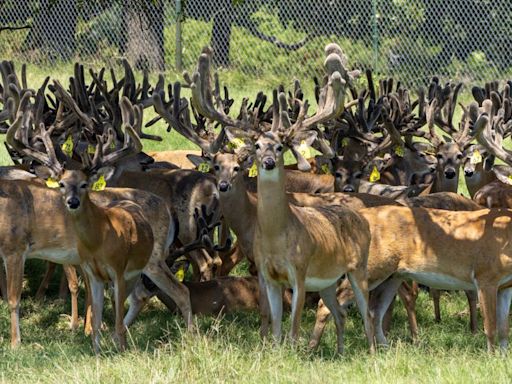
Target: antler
x=203, y=239
x=23, y=121
x=488, y=130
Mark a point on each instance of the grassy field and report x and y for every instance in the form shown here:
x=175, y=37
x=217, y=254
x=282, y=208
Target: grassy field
x=228, y=349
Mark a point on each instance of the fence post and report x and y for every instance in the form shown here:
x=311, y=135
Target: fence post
x=179, y=53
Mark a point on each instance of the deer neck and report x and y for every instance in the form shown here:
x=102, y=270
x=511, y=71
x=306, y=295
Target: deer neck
x=443, y=184
x=239, y=209
x=273, y=208
x=88, y=223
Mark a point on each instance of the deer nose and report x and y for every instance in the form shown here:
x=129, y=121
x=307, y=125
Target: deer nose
x=223, y=186
x=349, y=188
x=269, y=163
x=73, y=202
x=450, y=173
x=468, y=173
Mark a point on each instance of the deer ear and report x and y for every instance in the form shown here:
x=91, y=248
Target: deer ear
x=43, y=172
x=197, y=160
x=104, y=172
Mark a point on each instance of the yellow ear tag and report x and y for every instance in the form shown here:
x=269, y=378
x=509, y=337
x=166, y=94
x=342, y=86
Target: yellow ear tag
x=100, y=184
x=91, y=149
x=510, y=177
x=325, y=169
x=375, y=175
x=253, y=171
x=236, y=143
x=182, y=264
x=67, y=146
x=304, y=150
x=399, y=151
x=204, y=167
x=52, y=183
x=344, y=142
x=180, y=273
x=476, y=158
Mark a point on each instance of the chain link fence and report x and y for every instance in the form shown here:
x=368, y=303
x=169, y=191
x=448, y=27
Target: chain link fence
x=412, y=40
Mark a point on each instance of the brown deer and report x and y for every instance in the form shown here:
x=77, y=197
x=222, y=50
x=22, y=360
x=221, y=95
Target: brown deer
x=155, y=209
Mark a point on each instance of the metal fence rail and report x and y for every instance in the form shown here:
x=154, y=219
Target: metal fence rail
x=469, y=40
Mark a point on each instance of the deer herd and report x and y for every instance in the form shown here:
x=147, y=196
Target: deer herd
x=369, y=209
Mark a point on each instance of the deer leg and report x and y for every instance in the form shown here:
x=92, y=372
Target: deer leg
x=386, y=321
x=504, y=298
x=359, y=282
x=436, y=295
x=386, y=293
x=408, y=295
x=63, y=287
x=3, y=282
x=488, y=297
x=14, y=267
x=164, y=279
x=72, y=280
x=97, y=298
x=344, y=296
x=50, y=271
x=473, y=314
x=321, y=317
x=264, y=307
x=298, y=299
x=330, y=301
x=88, y=307
x=139, y=296
x=275, y=299
x=120, y=298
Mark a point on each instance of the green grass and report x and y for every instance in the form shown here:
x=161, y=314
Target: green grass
x=228, y=349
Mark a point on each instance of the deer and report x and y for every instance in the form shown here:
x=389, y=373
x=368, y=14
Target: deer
x=455, y=250
x=477, y=168
x=163, y=225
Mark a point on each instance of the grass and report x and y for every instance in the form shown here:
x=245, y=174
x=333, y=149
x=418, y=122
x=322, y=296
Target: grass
x=228, y=349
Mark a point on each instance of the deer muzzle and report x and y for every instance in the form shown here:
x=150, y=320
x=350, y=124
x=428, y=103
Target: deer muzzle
x=269, y=163
x=223, y=186
x=73, y=203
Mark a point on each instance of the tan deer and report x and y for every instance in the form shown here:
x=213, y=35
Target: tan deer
x=155, y=209
x=379, y=269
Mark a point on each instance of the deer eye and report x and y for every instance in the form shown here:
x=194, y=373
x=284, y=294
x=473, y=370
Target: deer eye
x=61, y=185
x=358, y=175
x=279, y=148
x=439, y=156
x=459, y=156
x=216, y=167
x=337, y=175
x=257, y=146
x=236, y=169
x=83, y=185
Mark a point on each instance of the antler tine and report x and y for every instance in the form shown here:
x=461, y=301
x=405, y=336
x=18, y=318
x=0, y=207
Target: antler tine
x=202, y=94
x=332, y=96
x=179, y=119
x=430, y=116
x=68, y=100
x=484, y=135
x=22, y=121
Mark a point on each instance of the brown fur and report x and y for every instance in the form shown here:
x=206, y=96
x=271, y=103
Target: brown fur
x=177, y=157
x=472, y=247
x=296, y=246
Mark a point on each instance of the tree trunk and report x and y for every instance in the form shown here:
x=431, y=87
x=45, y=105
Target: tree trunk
x=144, y=46
x=53, y=30
x=221, y=36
